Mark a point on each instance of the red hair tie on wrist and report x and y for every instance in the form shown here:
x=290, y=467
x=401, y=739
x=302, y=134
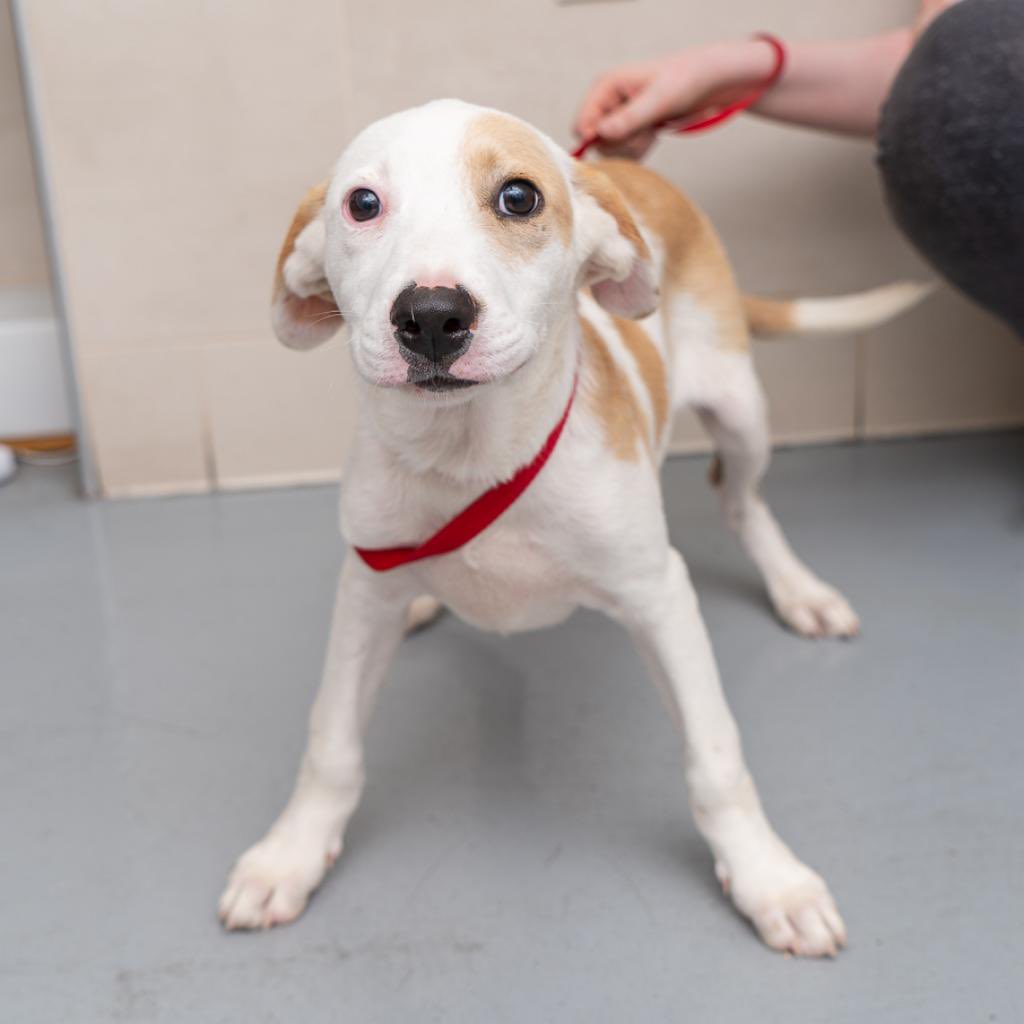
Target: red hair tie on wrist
x=712, y=116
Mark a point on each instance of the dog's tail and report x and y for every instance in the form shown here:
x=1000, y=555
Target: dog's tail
x=839, y=314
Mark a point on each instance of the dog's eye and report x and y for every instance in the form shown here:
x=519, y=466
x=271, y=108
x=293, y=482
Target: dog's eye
x=363, y=204
x=518, y=198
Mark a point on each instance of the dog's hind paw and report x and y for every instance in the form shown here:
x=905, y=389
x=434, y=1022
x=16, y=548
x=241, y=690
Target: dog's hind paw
x=790, y=906
x=814, y=609
x=272, y=882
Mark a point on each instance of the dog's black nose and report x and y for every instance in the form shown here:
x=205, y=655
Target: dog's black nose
x=433, y=322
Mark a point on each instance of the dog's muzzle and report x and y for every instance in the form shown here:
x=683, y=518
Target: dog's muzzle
x=433, y=327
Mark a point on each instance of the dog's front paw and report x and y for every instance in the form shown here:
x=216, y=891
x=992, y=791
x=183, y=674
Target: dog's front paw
x=814, y=609
x=788, y=904
x=273, y=880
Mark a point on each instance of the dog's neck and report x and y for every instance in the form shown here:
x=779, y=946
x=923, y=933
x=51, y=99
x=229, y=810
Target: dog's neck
x=486, y=439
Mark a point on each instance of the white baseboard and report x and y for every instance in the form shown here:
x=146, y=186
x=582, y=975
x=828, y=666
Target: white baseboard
x=33, y=393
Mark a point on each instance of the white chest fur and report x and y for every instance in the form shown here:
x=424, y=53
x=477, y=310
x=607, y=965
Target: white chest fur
x=506, y=580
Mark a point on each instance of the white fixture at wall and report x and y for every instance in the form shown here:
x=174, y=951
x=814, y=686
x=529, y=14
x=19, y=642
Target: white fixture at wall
x=33, y=392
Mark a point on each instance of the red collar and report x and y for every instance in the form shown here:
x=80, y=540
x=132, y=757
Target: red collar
x=474, y=518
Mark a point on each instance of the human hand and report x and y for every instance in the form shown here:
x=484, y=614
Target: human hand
x=625, y=106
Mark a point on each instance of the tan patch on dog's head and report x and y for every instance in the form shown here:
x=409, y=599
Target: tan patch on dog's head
x=611, y=398
x=651, y=366
x=499, y=149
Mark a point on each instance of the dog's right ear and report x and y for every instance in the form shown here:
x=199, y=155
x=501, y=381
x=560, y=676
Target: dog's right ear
x=617, y=264
x=303, y=312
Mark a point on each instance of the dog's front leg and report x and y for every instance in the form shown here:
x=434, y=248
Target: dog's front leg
x=788, y=903
x=273, y=880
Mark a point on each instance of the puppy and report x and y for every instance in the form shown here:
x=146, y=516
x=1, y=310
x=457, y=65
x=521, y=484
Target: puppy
x=503, y=302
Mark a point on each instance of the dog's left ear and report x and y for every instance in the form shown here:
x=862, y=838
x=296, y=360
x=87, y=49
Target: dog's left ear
x=303, y=311
x=617, y=264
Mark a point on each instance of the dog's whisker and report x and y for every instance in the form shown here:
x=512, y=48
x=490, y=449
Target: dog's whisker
x=328, y=316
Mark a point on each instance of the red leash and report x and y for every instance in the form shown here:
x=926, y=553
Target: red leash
x=717, y=115
x=474, y=518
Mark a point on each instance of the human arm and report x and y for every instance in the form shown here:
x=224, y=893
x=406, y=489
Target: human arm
x=837, y=86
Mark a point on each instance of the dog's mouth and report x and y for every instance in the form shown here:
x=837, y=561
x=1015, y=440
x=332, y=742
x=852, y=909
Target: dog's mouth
x=433, y=375
x=442, y=382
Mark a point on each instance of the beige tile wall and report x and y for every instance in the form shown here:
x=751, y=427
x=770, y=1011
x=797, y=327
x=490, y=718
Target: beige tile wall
x=181, y=135
x=22, y=250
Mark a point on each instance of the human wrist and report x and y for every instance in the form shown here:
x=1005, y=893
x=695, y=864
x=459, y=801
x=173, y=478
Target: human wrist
x=741, y=62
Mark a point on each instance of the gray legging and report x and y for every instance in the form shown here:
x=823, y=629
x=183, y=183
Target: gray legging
x=951, y=151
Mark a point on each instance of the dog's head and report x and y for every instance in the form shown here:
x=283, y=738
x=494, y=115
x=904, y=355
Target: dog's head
x=450, y=241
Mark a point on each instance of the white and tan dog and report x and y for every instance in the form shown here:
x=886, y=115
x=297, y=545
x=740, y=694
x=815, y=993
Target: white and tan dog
x=477, y=270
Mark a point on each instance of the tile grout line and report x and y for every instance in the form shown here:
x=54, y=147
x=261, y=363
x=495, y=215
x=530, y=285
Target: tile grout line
x=860, y=395
x=206, y=431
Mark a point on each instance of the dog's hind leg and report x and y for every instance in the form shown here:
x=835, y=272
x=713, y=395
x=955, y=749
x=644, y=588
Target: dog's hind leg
x=731, y=406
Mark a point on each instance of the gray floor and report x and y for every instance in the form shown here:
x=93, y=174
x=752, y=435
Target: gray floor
x=523, y=853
